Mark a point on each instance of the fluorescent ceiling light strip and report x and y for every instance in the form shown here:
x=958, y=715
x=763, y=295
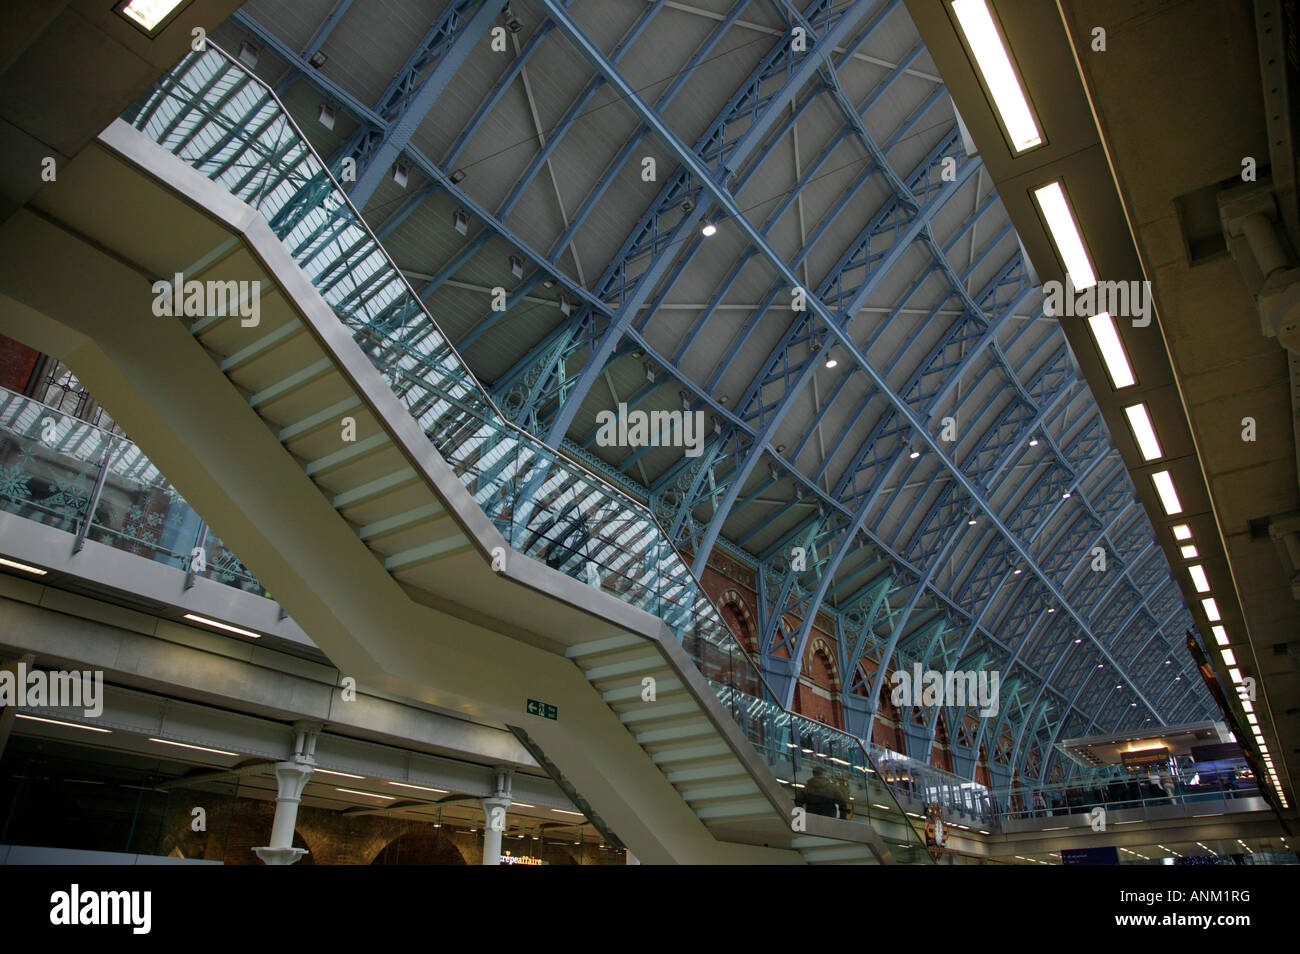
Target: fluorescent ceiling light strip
x=1228, y=658
x=1182, y=531
x=995, y=66
x=197, y=748
x=1164, y=485
x=1211, y=609
x=1112, y=351
x=1143, y=432
x=1202, y=582
x=195, y=618
x=421, y=788
x=1065, y=233
x=353, y=791
x=14, y=564
x=70, y=725
x=321, y=771
x=1189, y=552
x=1220, y=635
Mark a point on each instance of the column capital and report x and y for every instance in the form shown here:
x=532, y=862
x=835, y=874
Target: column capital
x=291, y=778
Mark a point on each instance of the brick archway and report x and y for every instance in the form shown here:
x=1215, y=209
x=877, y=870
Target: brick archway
x=818, y=692
x=735, y=611
x=419, y=846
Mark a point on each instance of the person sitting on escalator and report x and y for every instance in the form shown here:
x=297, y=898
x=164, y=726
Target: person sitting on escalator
x=821, y=796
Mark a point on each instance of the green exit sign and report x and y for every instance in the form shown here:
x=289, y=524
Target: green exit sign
x=543, y=709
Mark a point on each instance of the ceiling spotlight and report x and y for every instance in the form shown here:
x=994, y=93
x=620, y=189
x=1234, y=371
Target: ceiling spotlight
x=248, y=55
x=460, y=221
x=318, y=59
x=516, y=266
x=400, y=174
x=970, y=522
x=1065, y=496
x=709, y=229
x=1017, y=571
x=831, y=362
x=548, y=282
x=326, y=115
x=915, y=454
x=1033, y=442
x=1051, y=609
x=457, y=176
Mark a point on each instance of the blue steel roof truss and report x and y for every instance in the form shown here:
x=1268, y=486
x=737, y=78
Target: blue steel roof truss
x=1025, y=598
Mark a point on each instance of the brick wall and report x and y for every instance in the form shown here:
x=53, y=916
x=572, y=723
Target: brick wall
x=235, y=826
x=16, y=363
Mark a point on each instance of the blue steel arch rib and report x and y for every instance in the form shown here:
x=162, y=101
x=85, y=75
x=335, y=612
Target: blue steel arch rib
x=1132, y=615
x=659, y=235
x=871, y=443
x=809, y=616
x=934, y=639
x=416, y=87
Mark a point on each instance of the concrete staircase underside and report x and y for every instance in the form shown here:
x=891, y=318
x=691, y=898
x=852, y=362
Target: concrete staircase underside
x=374, y=547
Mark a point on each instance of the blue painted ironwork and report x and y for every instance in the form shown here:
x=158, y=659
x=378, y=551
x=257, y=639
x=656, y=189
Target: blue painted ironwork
x=976, y=471
x=417, y=86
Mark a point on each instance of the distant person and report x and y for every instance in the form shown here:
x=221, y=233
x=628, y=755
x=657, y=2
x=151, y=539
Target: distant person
x=821, y=796
x=1167, y=785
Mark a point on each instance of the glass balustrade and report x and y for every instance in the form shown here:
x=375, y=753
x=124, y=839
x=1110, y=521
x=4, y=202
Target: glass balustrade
x=215, y=116
x=58, y=470
x=1079, y=798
